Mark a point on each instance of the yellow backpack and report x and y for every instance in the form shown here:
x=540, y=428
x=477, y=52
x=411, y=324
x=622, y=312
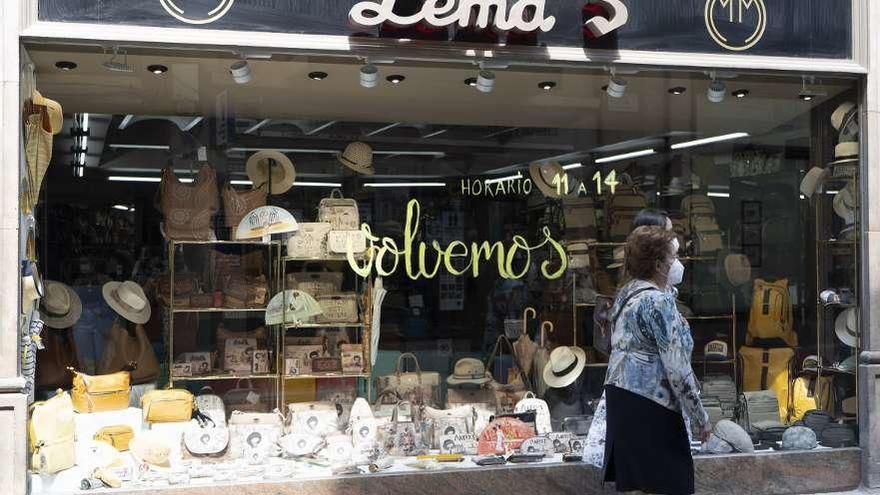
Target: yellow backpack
x=769, y=369
x=51, y=434
x=801, y=399
x=771, y=315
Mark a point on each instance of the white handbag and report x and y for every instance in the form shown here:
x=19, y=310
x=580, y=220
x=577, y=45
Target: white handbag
x=530, y=403
x=338, y=450
x=297, y=445
x=314, y=418
x=204, y=437
x=255, y=435
x=457, y=421
x=364, y=431
x=338, y=241
x=338, y=308
x=310, y=241
x=211, y=405
x=341, y=213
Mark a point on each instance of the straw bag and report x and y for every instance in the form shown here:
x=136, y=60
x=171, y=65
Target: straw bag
x=314, y=283
x=507, y=394
x=338, y=308
x=167, y=406
x=341, y=213
x=237, y=204
x=310, y=241
x=51, y=434
x=189, y=209
x=100, y=393
x=126, y=348
x=117, y=435
x=416, y=386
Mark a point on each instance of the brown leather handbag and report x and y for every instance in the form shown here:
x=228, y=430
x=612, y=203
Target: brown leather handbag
x=189, y=209
x=126, y=349
x=237, y=204
x=58, y=355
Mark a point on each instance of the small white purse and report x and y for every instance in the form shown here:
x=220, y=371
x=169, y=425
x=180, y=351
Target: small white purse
x=310, y=241
x=529, y=403
x=318, y=419
x=204, y=437
x=297, y=445
x=338, y=241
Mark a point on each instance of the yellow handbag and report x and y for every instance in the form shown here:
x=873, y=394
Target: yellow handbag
x=167, y=406
x=801, y=399
x=100, y=393
x=51, y=433
x=117, y=435
x=769, y=369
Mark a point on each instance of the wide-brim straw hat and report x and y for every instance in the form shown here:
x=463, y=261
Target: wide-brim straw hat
x=738, y=269
x=846, y=327
x=358, y=156
x=565, y=366
x=60, y=306
x=469, y=371
x=53, y=109
x=543, y=176
x=128, y=300
x=283, y=171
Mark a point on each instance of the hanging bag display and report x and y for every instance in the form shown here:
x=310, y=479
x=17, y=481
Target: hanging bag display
x=507, y=394
x=51, y=433
x=129, y=348
x=341, y=213
x=189, y=209
x=622, y=209
x=419, y=387
x=99, y=393
x=771, y=314
x=167, y=406
x=237, y=204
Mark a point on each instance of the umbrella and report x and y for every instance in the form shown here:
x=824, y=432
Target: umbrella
x=541, y=358
x=379, y=293
x=525, y=347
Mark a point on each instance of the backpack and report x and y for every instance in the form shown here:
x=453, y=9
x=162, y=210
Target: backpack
x=802, y=400
x=771, y=315
x=769, y=369
x=622, y=209
x=697, y=205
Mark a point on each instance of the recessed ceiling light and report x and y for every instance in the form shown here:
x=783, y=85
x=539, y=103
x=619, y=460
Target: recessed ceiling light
x=317, y=75
x=471, y=81
x=395, y=79
x=805, y=96
x=547, y=85
x=157, y=69
x=616, y=87
x=678, y=90
x=65, y=65
x=740, y=93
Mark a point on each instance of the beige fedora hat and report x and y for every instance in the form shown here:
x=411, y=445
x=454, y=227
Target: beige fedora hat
x=283, y=171
x=840, y=114
x=53, y=108
x=128, y=299
x=810, y=182
x=565, y=366
x=358, y=156
x=60, y=306
x=543, y=176
x=470, y=371
x=738, y=269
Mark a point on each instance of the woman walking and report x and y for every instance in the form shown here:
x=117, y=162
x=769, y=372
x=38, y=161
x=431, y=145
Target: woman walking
x=650, y=383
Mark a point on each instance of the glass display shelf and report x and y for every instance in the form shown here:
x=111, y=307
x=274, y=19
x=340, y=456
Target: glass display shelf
x=308, y=376
x=289, y=326
x=219, y=310
x=206, y=378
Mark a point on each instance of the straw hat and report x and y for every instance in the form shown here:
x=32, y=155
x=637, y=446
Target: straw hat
x=738, y=269
x=60, y=306
x=469, y=370
x=128, y=299
x=619, y=256
x=53, y=108
x=543, y=176
x=283, y=171
x=840, y=114
x=358, y=156
x=565, y=366
x=846, y=327
x=811, y=180
x=844, y=205
x=31, y=285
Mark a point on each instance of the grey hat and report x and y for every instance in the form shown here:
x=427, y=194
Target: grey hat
x=732, y=434
x=799, y=438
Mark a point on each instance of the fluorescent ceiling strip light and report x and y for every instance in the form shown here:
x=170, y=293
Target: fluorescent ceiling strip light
x=502, y=179
x=571, y=166
x=717, y=194
x=832, y=193
x=383, y=129
x=320, y=128
x=316, y=184
x=192, y=123
x=241, y=182
x=85, y=122
x=437, y=154
x=140, y=146
x=435, y=133
x=132, y=178
x=709, y=140
x=125, y=121
x=121, y=207
x=624, y=156
x=259, y=125
x=405, y=184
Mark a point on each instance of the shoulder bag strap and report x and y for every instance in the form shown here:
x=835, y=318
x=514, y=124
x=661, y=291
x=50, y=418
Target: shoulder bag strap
x=626, y=302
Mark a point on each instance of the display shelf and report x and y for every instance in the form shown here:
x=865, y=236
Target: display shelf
x=208, y=378
x=219, y=310
x=285, y=259
x=709, y=317
x=243, y=242
x=596, y=365
x=325, y=375
x=698, y=258
x=712, y=361
x=289, y=326
x=842, y=242
x=585, y=305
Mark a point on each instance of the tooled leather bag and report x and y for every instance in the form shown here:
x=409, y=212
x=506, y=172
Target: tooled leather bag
x=341, y=213
x=237, y=204
x=189, y=209
x=53, y=361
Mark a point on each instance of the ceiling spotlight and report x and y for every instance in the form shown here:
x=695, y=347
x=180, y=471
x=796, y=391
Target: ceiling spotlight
x=471, y=81
x=740, y=93
x=616, y=87
x=809, y=94
x=806, y=96
x=317, y=76
x=677, y=91
x=485, y=81
x=369, y=76
x=157, y=69
x=241, y=72
x=395, y=79
x=547, y=85
x=65, y=65
x=716, y=92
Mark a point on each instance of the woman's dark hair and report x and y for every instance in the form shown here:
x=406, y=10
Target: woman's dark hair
x=650, y=217
x=645, y=246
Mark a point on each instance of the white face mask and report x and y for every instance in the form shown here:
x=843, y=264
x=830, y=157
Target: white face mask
x=676, y=273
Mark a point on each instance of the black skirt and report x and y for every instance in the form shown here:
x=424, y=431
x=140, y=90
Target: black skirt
x=646, y=447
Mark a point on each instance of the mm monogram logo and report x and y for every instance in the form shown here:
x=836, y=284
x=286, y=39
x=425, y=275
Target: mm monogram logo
x=197, y=11
x=736, y=25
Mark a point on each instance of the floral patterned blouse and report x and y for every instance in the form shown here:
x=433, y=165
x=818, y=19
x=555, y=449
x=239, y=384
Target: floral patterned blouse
x=651, y=348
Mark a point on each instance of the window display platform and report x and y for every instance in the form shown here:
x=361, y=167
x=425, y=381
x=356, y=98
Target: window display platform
x=778, y=473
